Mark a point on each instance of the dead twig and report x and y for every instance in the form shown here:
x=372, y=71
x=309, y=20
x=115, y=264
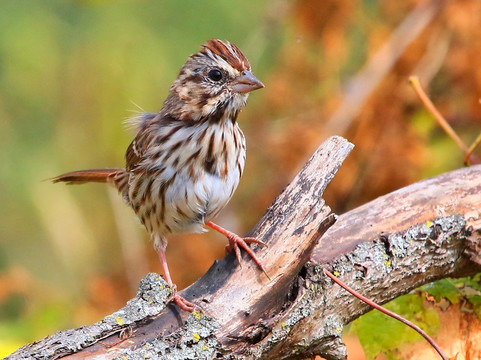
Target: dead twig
x=469, y=157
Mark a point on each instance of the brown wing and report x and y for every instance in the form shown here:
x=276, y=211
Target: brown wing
x=133, y=156
x=136, y=151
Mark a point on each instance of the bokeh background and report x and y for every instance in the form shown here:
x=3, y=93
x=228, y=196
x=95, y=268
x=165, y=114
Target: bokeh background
x=72, y=71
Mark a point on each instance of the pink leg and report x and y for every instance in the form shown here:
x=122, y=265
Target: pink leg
x=236, y=242
x=179, y=300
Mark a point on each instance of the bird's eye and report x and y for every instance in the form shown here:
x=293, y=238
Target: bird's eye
x=215, y=75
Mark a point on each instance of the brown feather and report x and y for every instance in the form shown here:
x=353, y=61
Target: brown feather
x=133, y=155
x=91, y=175
x=229, y=52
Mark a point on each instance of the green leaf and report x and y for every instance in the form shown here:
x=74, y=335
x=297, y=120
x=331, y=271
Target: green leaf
x=445, y=288
x=379, y=333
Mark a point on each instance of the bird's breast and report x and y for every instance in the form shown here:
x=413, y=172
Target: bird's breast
x=191, y=176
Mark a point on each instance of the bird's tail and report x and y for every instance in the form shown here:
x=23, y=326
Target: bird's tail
x=91, y=175
x=116, y=177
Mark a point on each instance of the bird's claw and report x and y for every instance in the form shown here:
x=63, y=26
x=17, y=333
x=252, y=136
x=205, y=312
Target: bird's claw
x=236, y=242
x=183, y=303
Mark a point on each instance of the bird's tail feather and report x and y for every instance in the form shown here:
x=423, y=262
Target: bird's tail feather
x=91, y=175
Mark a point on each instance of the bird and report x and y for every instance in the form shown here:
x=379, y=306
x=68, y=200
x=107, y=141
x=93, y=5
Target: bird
x=186, y=160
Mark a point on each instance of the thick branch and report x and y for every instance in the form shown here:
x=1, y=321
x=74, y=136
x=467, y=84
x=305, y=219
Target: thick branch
x=383, y=249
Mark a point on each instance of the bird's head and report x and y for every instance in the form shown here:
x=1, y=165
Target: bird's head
x=212, y=85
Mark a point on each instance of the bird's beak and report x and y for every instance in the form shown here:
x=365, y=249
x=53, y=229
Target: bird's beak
x=245, y=83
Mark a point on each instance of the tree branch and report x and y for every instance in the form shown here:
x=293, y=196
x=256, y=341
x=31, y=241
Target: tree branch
x=382, y=249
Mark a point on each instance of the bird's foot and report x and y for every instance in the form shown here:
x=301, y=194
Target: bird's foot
x=178, y=300
x=236, y=243
x=183, y=303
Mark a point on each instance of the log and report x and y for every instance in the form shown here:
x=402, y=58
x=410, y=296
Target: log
x=383, y=249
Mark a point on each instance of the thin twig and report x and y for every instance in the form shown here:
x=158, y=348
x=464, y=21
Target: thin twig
x=387, y=312
x=473, y=146
x=414, y=80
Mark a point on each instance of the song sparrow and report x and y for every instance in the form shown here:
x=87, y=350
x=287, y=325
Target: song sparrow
x=186, y=160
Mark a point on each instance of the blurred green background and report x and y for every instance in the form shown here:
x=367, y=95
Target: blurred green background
x=72, y=71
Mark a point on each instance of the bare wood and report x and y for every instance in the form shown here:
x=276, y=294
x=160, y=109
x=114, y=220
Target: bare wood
x=423, y=232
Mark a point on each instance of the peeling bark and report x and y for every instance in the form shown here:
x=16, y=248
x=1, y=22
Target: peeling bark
x=383, y=249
